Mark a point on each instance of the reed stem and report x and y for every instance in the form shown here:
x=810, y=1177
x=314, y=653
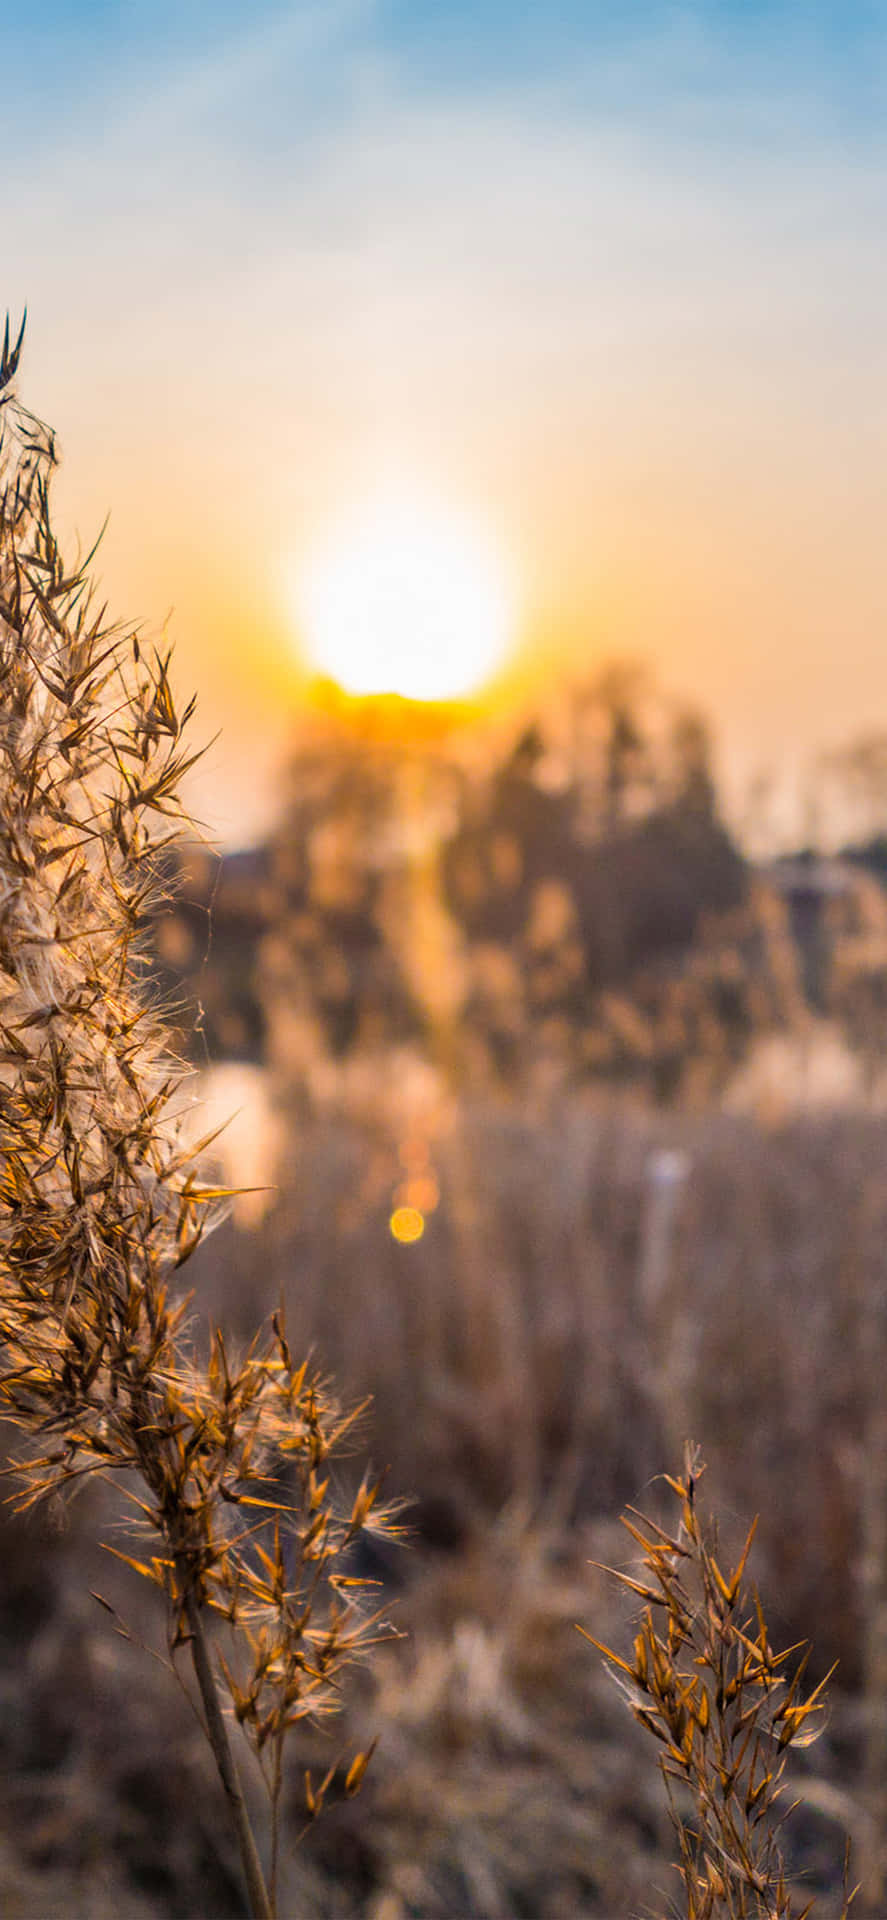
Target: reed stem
x=257, y=1892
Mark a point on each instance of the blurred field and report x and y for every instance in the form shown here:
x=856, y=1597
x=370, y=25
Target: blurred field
x=596, y=1284
x=566, y=1138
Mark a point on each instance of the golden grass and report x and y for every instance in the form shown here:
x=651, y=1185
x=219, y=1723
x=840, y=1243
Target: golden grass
x=520, y=1362
x=724, y=1708
x=225, y=1464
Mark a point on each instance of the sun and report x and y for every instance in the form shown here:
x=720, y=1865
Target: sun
x=406, y=598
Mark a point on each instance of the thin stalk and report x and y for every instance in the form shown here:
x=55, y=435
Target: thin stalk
x=257, y=1892
x=276, y=1784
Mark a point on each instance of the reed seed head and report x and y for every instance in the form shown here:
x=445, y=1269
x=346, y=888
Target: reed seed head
x=99, y=1200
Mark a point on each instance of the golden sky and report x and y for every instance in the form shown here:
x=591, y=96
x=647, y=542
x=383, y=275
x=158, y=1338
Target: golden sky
x=614, y=291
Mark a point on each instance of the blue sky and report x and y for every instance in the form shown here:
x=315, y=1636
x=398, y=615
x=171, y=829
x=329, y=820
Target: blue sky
x=828, y=59
x=612, y=276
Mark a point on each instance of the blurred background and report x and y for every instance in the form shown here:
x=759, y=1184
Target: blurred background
x=489, y=403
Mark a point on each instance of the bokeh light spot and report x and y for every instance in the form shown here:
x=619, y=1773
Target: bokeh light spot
x=407, y=1224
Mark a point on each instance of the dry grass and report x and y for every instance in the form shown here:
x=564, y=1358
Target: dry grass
x=518, y=1350
x=725, y=1710
x=224, y=1464
x=527, y=1359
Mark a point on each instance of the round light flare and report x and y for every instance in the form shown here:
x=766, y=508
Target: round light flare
x=406, y=1225
x=406, y=599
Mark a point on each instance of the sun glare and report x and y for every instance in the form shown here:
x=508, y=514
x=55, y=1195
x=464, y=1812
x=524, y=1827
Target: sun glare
x=406, y=599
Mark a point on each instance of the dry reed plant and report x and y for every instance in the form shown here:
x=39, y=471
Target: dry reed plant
x=705, y=1682
x=225, y=1464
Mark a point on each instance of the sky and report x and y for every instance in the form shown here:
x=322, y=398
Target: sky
x=608, y=280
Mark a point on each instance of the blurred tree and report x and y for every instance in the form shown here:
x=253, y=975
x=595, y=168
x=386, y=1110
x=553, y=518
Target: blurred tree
x=577, y=906
x=691, y=751
x=629, y=766
x=331, y=973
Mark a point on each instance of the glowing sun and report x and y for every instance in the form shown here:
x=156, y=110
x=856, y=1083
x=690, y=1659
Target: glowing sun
x=408, y=599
